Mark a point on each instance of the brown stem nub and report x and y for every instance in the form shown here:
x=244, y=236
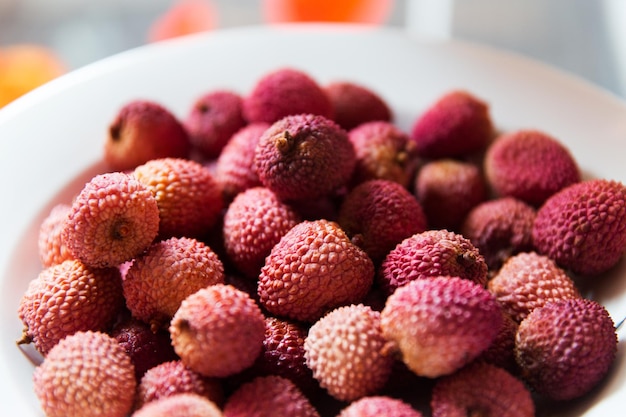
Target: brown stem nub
x=285, y=142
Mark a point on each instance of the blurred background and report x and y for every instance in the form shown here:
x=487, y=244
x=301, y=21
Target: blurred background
x=41, y=39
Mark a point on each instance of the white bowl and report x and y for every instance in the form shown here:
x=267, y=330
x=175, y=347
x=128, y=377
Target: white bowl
x=51, y=139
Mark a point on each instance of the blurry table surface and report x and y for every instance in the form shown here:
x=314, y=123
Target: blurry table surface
x=577, y=36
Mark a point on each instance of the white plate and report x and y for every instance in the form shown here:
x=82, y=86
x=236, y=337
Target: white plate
x=51, y=140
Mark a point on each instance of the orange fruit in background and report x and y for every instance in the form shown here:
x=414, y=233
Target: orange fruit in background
x=24, y=67
x=359, y=11
x=183, y=18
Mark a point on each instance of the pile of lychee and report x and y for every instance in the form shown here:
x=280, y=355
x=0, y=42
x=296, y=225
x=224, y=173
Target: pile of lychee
x=292, y=252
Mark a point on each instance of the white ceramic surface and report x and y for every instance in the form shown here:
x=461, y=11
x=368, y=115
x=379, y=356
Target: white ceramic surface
x=51, y=140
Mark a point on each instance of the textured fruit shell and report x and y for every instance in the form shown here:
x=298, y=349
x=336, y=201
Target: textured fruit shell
x=180, y=405
x=354, y=104
x=583, y=226
x=345, y=349
x=86, y=374
x=269, y=396
x=377, y=406
x=67, y=298
x=484, y=387
x=440, y=324
x=313, y=269
x=566, y=348
x=304, y=156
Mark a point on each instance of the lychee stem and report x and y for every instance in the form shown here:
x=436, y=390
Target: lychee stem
x=25, y=339
x=285, y=142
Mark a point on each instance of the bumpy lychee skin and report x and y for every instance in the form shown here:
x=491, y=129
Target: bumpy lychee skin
x=52, y=250
x=284, y=92
x=167, y=273
x=213, y=119
x=86, y=374
x=187, y=194
x=376, y=406
x=218, y=331
x=566, y=347
x=347, y=352
x=429, y=254
x=283, y=354
x=527, y=281
x=354, y=104
x=448, y=190
x=180, y=405
x=383, y=151
x=113, y=219
x=67, y=298
x=173, y=377
x=313, y=269
x=143, y=130
x=440, y=324
x=234, y=168
x=583, y=227
x=481, y=389
x=304, y=156
x=146, y=348
x=500, y=228
x=457, y=124
x=379, y=214
x=269, y=396
x=253, y=223
x=501, y=352
x=529, y=165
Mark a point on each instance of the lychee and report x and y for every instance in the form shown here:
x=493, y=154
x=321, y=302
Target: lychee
x=218, y=331
x=583, y=227
x=481, y=389
x=304, y=156
x=52, y=250
x=284, y=92
x=86, y=374
x=67, y=298
x=167, y=273
x=180, y=405
x=448, y=190
x=500, y=228
x=383, y=151
x=566, y=347
x=174, y=377
x=379, y=214
x=456, y=124
x=234, y=169
x=146, y=347
x=268, y=396
x=429, y=254
x=439, y=325
x=354, y=104
x=188, y=196
x=253, y=223
x=283, y=354
x=378, y=405
x=143, y=130
x=529, y=165
x=527, y=281
x=113, y=219
x=347, y=352
x=313, y=269
x=214, y=117
x=501, y=352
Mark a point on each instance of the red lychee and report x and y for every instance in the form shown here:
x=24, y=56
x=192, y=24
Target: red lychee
x=457, y=124
x=113, y=219
x=284, y=92
x=379, y=214
x=52, y=250
x=213, y=119
x=583, y=227
x=143, y=130
x=304, y=156
x=354, y=104
x=313, y=269
x=529, y=165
